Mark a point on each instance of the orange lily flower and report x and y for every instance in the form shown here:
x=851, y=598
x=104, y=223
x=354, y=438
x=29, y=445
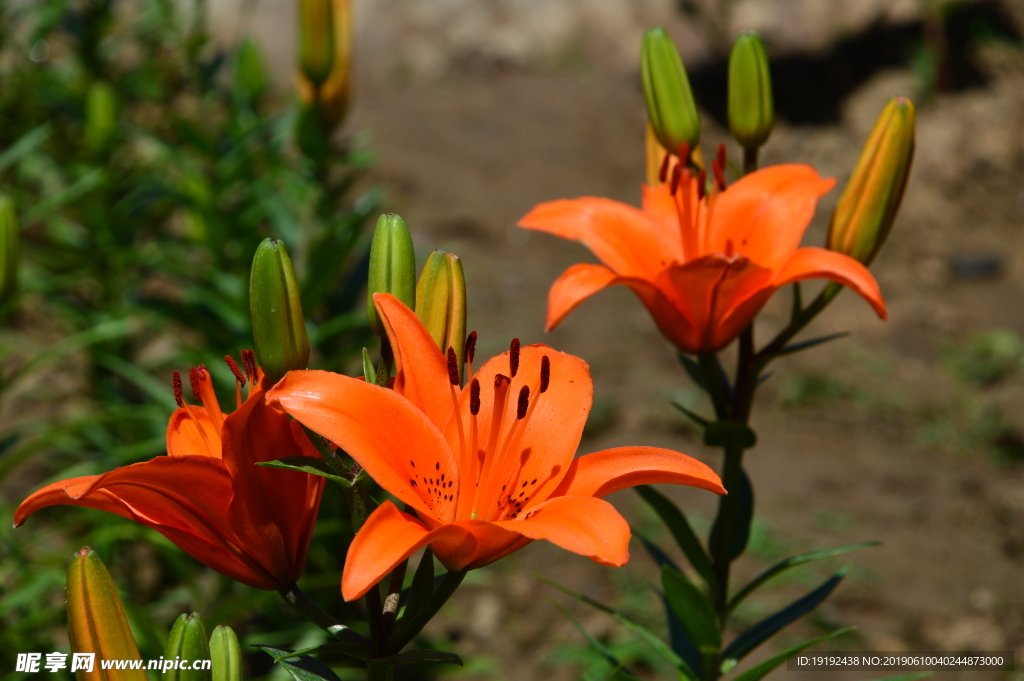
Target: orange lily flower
x=704, y=266
x=207, y=495
x=487, y=468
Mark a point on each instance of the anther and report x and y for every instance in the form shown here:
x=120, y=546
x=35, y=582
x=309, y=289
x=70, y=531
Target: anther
x=702, y=180
x=471, y=346
x=721, y=155
x=193, y=378
x=249, y=362
x=524, y=402
x=718, y=168
x=513, y=357
x=545, y=373
x=453, y=367
x=474, y=397
x=684, y=153
x=176, y=383
x=500, y=380
x=235, y=370
x=663, y=171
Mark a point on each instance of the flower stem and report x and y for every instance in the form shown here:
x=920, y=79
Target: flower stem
x=798, y=320
x=312, y=612
x=408, y=630
x=721, y=557
x=749, y=160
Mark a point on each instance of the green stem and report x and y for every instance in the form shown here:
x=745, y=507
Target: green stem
x=379, y=672
x=408, y=630
x=749, y=160
x=713, y=379
x=394, y=593
x=799, y=319
x=312, y=612
x=726, y=522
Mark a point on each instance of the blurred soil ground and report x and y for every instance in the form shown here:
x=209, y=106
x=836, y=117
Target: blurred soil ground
x=910, y=432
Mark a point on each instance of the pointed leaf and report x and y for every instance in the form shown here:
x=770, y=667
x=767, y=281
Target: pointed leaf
x=351, y=649
x=422, y=586
x=693, y=416
x=679, y=639
x=681, y=530
x=769, y=626
x=659, y=556
x=788, y=563
x=602, y=649
x=414, y=656
x=307, y=464
x=759, y=671
x=369, y=373
x=744, y=516
x=303, y=668
x=692, y=608
x=693, y=369
x=803, y=345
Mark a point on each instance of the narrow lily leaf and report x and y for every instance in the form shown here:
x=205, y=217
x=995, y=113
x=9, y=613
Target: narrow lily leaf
x=759, y=671
x=769, y=626
x=693, y=370
x=413, y=656
x=24, y=145
x=422, y=584
x=369, y=372
x=744, y=516
x=334, y=647
x=692, y=608
x=659, y=556
x=693, y=416
x=685, y=671
x=303, y=668
x=680, y=640
x=307, y=464
x=619, y=669
x=803, y=345
x=681, y=530
x=788, y=563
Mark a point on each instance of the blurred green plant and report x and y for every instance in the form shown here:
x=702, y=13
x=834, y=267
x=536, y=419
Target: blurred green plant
x=145, y=162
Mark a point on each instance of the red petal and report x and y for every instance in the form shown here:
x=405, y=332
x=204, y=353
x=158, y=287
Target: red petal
x=184, y=437
x=818, y=263
x=601, y=473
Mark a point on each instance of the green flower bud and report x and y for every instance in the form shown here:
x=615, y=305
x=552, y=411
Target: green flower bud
x=250, y=73
x=392, y=267
x=100, y=115
x=316, y=39
x=751, y=112
x=441, y=302
x=670, y=106
x=96, y=619
x=225, y=655
x=278, y=327
x=9, y=244
x=871, y=198
x=331, y=99
x=187, y=643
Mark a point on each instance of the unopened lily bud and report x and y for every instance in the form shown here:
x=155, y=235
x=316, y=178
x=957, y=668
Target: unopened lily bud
x=9, y=245
x=871, y=198
x=278, y=327
x=441, y=302
x=225, y=655
x=186, y=644
x=96, y=619
x=316, y=39
x=250, y=73
x=751, y=111
x=392, y=267
x=100, y=115
x=332, y=99
x=670, y=106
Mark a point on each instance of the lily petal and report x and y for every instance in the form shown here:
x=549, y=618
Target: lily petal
x=184, y=437
x=621, y=236
x=817, y=263
x=576, y=284
x=393, y=440
x=601, y=473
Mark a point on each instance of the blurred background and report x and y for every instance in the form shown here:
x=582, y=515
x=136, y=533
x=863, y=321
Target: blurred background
x=140, y=204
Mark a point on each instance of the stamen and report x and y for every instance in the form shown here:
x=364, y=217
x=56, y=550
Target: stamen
x=721, y=155
x=501, y=384
x=677, y=175
x=234, y=369
x=702, y=180
x=464, y=463
x=524, y=402
x=663, y=171
x=453, y=368
x=176, y=384
x=470, y=353
x=474, y=397
x=684, y=153
x=719, y=170
x=545, y=373
x=193, y=378
x=249, y=362
x=513, y=357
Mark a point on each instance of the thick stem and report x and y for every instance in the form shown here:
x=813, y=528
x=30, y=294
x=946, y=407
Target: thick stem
x=379, y=672
x=312, y=612
x=797, y=322
x=726, y=524
x=408, y=630
x=716, y=388
x=394, y=593
x=749, y=161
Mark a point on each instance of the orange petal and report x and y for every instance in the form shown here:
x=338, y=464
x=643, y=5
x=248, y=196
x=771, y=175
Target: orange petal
x=576, y=284
x=184, y=437
x=660, y=207
x=393, y=440
x=765, y=213
x=422, y=370
x=621, y=236
x=585, y=525
x=601, y=473
x=386, y=539
x=817, y=263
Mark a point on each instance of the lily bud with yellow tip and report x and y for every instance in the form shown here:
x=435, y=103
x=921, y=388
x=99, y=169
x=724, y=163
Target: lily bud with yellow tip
x=225, y=655
x=250, y=72
x=751, y=111
x=9, y=246
x=671, y=109
x=332, y=97
x=441, y=302
x=316, y=39
x=186, y=645
x=278, y=327
x=392, y=267
x=867, y=208
x=97, y=623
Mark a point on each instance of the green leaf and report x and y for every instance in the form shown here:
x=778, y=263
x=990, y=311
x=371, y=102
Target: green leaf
x=76, y=190
x=692, y=368
x=693, y=416
x=769, y=626
x=663, y=649
x=744, y=516
x=24, y=146
x=619, y=669
x=759, y=671
x=414, y=656
x=692, y=608
x=307, y=464
x=303, y=668
x=797, y=347
x=351, y=649
x=369, y=373
x=788, y=563
x=422, y=586
x=681, y=530
x=657, y=555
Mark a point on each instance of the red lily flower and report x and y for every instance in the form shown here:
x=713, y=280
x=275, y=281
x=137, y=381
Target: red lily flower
x=704, y=266
x=207, y=495
x=487, y=469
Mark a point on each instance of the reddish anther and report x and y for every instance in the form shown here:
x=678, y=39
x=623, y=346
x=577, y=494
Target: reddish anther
x=453, y=367
x=474, y=397
x=524, y=402
x=545, y=373
x=176, y=382
x=235, y=370
x=193, y=378
x=513, y=357
x=471, y=346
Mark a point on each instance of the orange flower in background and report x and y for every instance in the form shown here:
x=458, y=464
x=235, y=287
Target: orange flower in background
x=487, y=468
x=704, y=266
x=207, y=495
